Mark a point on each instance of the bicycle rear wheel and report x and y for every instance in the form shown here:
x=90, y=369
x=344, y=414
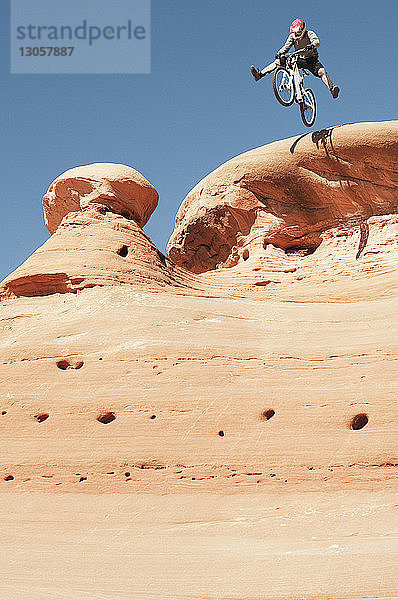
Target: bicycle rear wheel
x=308, y=108
x=283, y=86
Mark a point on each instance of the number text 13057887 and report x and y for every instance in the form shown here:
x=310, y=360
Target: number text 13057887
x=46, y=50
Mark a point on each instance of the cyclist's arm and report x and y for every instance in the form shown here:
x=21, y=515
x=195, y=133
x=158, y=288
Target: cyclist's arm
x=314, y=39
x=286, y=47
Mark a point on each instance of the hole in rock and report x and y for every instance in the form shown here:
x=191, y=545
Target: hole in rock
x=359, y=421
x=123, y=251
x=127, y=474
x=82, y=479
x=268, y=414
x=3, y=412
x=263, y=283
x=63, y=364
x=245, y=254
x=42, y=417
x=106, y=417
x=8, y=478
x=221, y=433
x=301, y=250
x=153, y=417
x=67, y=364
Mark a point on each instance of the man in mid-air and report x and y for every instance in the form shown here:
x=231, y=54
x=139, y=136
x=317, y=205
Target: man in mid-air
x=307, y=41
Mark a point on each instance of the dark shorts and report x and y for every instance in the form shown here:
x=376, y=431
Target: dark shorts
x=311, y=63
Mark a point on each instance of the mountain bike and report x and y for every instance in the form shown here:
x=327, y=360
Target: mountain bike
x=287, y=81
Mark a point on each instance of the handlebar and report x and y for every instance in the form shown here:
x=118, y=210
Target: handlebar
x=291, y=54
x=296, y=52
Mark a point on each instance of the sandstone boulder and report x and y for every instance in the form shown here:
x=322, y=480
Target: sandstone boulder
x=106, y=186
x=288, y=194
x=95, y=214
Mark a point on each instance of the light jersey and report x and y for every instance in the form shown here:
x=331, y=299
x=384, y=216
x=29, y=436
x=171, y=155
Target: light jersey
x=308, y=38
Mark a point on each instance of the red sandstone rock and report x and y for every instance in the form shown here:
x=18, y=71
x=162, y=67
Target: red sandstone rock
x=224, y=435
x=312, y=212
x=95, y=214
x=109, y=186
x=289, y=194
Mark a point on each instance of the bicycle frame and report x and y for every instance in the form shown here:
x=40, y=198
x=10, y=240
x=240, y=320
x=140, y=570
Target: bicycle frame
x=289, y=87
x=295, y=76
x=298, y=83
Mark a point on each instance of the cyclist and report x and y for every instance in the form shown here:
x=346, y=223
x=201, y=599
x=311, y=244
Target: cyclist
x=308, y=41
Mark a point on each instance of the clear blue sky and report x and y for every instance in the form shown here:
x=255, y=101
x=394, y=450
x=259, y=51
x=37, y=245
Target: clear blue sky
x=198, y=108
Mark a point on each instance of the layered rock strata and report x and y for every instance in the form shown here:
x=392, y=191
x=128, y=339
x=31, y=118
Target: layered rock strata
x=222, y=422
x=289, y=195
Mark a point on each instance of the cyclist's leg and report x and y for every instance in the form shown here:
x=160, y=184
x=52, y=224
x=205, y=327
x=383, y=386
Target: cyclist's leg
x=271, y=67
x=325, y=78
x=334, y=89
x=257, y=74
x=317, y=69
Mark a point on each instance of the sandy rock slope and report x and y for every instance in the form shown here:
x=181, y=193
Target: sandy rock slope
x=222, y=422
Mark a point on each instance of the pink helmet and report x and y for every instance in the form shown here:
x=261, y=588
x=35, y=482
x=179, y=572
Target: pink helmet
x=298, y=28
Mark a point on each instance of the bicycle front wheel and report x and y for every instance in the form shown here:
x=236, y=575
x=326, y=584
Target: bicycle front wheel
x=283, y=86
x=308, y=108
